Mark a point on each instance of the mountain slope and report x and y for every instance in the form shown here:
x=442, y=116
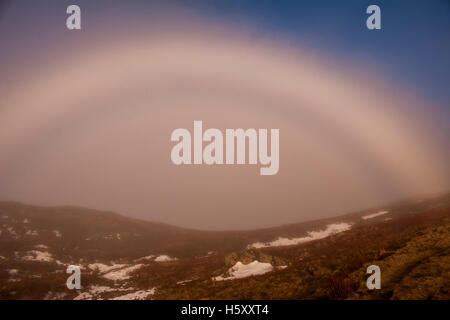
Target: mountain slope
x=128, y=258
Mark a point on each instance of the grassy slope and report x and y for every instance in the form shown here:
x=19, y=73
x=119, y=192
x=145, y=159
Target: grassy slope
x=412, y=251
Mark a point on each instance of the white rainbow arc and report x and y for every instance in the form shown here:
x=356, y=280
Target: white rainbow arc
x=171, y=72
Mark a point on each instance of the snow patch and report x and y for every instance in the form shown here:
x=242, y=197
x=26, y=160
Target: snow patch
x=312, y=235
x=150, y=257
x=57, y=233
x=103, y=268
x=164, y=258
x=374, y=215
x=138, y=295
x=95, y=291
x=240, y=270
x=121, y=274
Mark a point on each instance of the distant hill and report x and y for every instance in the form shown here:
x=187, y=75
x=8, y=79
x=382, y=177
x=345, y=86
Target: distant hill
x=128, y=258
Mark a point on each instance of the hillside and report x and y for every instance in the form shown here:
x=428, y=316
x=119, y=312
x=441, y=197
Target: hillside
x=127, y=258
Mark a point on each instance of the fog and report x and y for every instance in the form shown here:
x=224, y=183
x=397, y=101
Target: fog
x=93, y=129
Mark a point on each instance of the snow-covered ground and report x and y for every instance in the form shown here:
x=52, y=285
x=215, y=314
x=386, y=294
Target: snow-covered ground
x=122, y=274
x=240, y=270
x=164, y=258
x=138, y=295
x=115, y=271
x=312, y=235
x=150, y=257
x=374, y=215
x=96, y=291
x=103, y=268
x=84, y=296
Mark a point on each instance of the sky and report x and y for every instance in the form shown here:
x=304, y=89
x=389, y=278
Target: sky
x=86, y=116
x=413, y=46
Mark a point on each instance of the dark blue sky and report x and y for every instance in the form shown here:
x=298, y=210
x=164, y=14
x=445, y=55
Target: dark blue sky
x=413, y=45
